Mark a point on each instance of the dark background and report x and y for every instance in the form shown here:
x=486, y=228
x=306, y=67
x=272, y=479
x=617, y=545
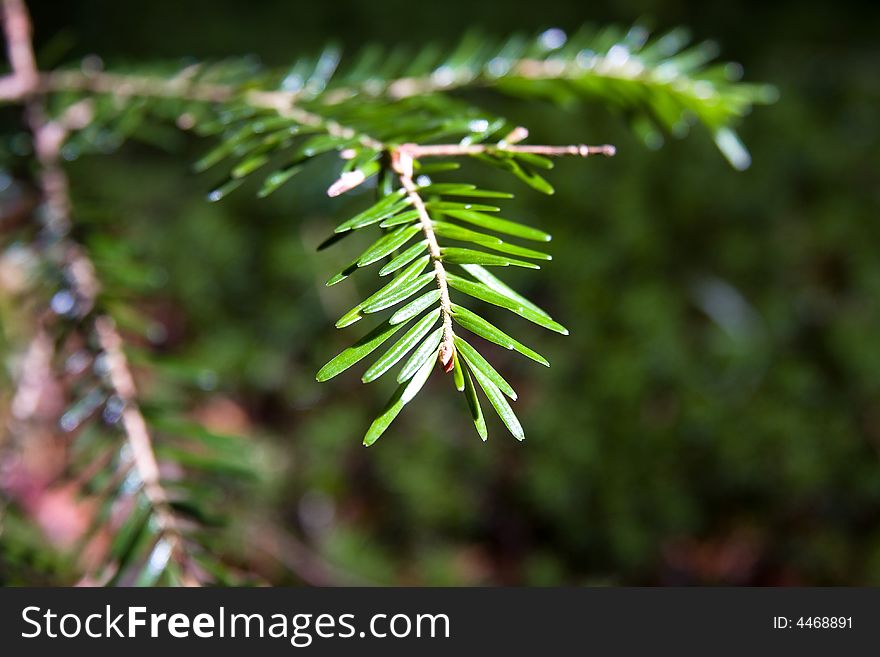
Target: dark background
x=714, y=416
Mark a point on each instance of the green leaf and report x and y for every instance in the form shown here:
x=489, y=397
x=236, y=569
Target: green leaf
x=273, y=124
x=401, y=397
x=458, y=256
x=505, y=412
x=225, y=189
x=457, y=189
x=344, y=273
x=131, y=531
x=418, y=357
x=404, y=258
x=402, y=218
x=490, y=280
x=515, y=249
x=278, y=178
x=136, y=535
x=419, y=378
x=437, y=167
x=324, y=144
x=249, y=165
x=499, y=225
x=470, y=394
x=400, y=348
x=457, y=377
x=484, y=293
x=443, y=206
x=386, y=244
x=473, y=322
x=383, y=209
x=396, y=284
x=359, y=350
x=155, y=564
x=475, y=360
x=454, y=232
x=245, y=141
x=733, y=149
x=521, y=171
x=400, y=294
x=221, y=123
x=534, y=159
x=415, y=306
x=386, y=417
x=351, y=317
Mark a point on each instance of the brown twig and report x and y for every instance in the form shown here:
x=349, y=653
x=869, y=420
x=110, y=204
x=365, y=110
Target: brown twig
x=285, y=105
x=450, y=150
x=137, y=433
x=402, y=163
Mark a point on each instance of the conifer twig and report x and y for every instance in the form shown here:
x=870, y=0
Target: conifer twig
x=181, y=86
x=402, y=159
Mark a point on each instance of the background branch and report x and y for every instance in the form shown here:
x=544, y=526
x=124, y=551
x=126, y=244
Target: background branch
x=48, y=137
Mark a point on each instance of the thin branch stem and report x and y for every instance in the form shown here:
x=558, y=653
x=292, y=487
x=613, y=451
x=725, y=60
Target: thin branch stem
x=285, y=105
x=136, y=431
x=181, y=86
x=402, y=163
x=450, y=150
x=396, y=88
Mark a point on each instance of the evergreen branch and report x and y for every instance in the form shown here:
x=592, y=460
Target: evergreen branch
x=48, y=136
x=661, y=83
x=402, y=162
x=619, y=62
x=664, y=84
x=404, y=213
x=181, y=86
x=383, y=123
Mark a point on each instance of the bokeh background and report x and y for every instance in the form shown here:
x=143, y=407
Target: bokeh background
x=714, y=417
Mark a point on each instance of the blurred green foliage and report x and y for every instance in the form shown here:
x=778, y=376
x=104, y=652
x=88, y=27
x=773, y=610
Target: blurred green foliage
x=714, y=416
